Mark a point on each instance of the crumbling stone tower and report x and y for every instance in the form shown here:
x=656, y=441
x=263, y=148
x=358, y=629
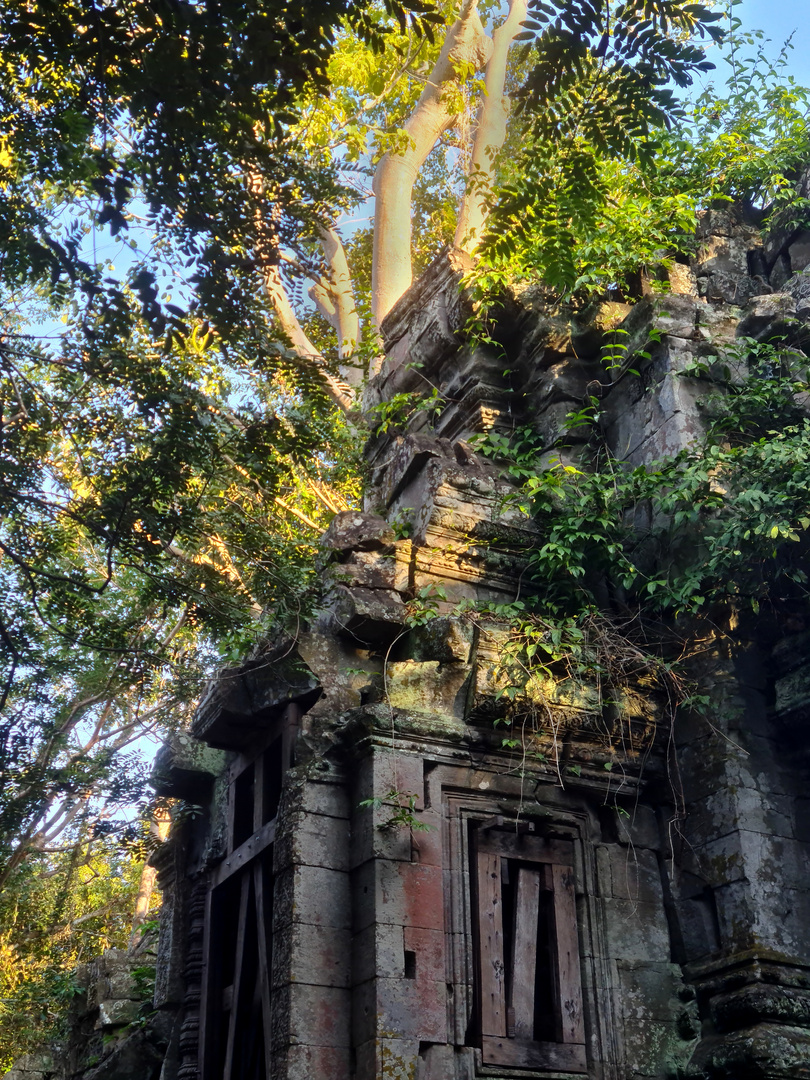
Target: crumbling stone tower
x=548, y=922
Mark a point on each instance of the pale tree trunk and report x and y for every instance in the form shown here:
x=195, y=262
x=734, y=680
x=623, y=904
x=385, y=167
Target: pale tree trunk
x=490, y=133
x=267, y=255
x=337, y=390
x=466, y=48
x=334, y=298
x=159, y=828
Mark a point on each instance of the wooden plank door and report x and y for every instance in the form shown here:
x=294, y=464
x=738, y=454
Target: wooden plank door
x=528, y=953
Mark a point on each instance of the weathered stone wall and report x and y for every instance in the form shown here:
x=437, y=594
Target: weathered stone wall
x=688, y=856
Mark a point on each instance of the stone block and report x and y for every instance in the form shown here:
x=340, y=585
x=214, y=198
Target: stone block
x=312, y=894
x=400, y=1008
x=589, y=327
x=304, y=1062
x=319, y=1015
x=313, y=840
x=38, y=1066
x=655, y=414
x=329, y=800
x=721, y=860
x=567, y=382
x=682, y=280
x=639, y=827
x=369, y=569
x=438, y=1061
x=369, y=616
x=398, y=772
x=552, y=425
x=657, y=991
x=677, y=315
x=799, y=252
x=715, y=222
x=749, y=1005
x=736, y=916
x=635, y=875
x=407, y=894
x=426, y=844
x=378, y=950
x=793, y=690
x=364, y=1013
x=242, y=701
x=120, y=985
x=726, y=255
x=651, y=1046
x=704, y=766
x=765, y=1052
x=792, y=919
x=315, y=955
x=428, y=948
x=351, y=530
x=446, y=640
x=729, y=288
x=428, y=687
x=767, y=315
x=388, y=1059
x=138, y=1055
x=635, y=930
x=412, y=1008
x=604, y=875
x=374, y=838
x=344, y=668
x=733, y=808
x=116, y=1013
x=185, y=768
x=716, y=325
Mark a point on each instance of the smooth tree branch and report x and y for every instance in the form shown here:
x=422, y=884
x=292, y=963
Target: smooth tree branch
x=466, y=48
x=159, y=830
x=334, y=298
x=490, y=132
x=268, y=259
x=337, y=390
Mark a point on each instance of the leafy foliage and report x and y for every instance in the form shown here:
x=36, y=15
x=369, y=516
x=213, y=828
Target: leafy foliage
x=59, y=910
x=584, y=214
x=630, y=533
x=634, y=566
x=602, y=72
x=148, y=453
x=167, y=461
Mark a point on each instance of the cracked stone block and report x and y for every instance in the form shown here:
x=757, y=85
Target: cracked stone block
x=428, y=687
x=115, y=1013
x=352, y=530
x=371, y=616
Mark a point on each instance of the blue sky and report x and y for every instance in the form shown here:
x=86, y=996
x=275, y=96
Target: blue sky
x=779, y=19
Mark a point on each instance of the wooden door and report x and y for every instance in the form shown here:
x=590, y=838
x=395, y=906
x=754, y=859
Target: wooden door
x=528, y=988
x=235, y=1014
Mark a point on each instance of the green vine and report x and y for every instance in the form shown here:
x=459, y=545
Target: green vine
x=632, y=563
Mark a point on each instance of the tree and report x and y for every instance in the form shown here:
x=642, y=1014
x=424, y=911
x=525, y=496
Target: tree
x=64, y=909
x=144, y=419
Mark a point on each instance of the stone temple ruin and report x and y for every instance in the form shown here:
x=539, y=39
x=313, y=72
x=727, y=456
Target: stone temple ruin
x=550, y=922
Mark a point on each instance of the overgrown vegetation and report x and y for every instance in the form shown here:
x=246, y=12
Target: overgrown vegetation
x=59, y=909
x=584, y=221
x=637, y=567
